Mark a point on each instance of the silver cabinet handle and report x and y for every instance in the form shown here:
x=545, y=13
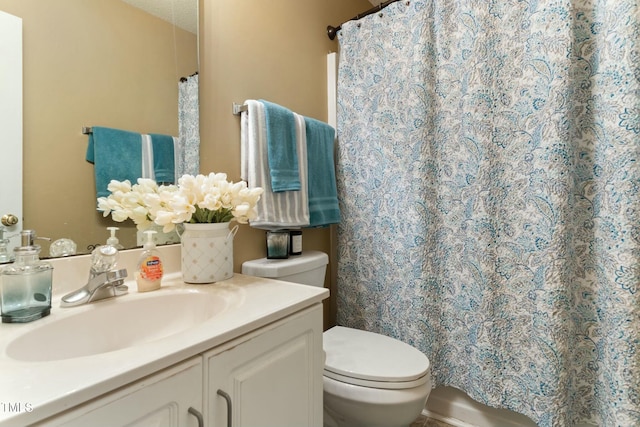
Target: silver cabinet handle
x=229, y=409
x=198, y=415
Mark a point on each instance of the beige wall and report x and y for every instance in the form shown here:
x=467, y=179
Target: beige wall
x=273, y=49
x=257, y=49
x=89, y=63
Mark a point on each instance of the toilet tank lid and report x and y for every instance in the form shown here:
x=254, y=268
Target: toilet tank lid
x=274, y=268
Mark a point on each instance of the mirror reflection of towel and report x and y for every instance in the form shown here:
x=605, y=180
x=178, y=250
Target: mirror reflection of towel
x=124, y=155
x=116, y=154
x=163, y=158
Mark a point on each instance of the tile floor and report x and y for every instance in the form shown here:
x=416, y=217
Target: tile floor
x=423, y=421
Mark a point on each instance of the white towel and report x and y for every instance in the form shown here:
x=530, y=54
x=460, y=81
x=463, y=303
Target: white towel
x=147, y=158
x=285, y=209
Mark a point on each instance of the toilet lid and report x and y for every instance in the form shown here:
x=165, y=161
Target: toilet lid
x=363, y=355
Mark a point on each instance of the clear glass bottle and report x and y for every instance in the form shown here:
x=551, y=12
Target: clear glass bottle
x=5, y=255
x=25, y=285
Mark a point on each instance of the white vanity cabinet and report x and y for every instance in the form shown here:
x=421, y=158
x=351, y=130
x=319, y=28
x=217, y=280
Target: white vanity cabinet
x=270, y=376
x=269, y=379
x=163, y=399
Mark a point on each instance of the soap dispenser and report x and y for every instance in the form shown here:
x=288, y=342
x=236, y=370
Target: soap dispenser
x=25, y=285
x=113, y=240
x=150, y=269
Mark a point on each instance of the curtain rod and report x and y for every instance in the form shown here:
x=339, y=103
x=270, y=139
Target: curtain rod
x=332, y=31
x=184, y=79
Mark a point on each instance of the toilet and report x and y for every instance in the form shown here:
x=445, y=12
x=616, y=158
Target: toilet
x=370, y=380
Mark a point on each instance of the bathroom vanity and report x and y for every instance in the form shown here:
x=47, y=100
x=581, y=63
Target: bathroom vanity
x=242, y=352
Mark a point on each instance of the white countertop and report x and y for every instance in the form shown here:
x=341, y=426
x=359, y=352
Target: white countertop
x=36, y=390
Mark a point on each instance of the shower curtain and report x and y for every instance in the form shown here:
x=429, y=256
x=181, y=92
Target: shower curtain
x=488, y=178
x=188, y=125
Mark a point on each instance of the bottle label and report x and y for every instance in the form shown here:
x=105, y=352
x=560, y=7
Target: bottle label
x=151, y=268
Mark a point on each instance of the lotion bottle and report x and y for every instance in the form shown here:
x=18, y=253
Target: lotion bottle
x=150, y=269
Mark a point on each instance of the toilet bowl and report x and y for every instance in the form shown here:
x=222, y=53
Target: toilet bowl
x=370, y=380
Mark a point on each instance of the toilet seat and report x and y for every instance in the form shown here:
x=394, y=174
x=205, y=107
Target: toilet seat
x=373, y=360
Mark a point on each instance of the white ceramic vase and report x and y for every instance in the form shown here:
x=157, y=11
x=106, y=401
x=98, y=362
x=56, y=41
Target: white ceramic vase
x=207, y=252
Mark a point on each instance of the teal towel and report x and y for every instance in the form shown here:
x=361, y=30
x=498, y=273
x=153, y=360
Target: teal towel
x=163, y=158
x=116, y=154
x=282, y=153
x=323, y=193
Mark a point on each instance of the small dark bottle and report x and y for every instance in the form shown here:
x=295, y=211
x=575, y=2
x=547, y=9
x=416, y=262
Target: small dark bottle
x=295, y=242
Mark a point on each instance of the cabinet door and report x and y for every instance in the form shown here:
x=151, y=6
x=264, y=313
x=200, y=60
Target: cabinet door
x=273, y=378
x=160, y=400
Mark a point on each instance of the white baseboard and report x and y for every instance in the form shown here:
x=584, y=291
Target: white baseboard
x=448, y=420
x=454, y=407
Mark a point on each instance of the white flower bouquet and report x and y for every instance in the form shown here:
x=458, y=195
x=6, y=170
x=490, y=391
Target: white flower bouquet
x=196, y=199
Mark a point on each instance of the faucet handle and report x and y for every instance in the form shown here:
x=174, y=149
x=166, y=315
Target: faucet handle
x=116, y=275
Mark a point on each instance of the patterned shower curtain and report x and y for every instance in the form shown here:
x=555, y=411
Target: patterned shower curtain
x=489, y=177
x=189, y=125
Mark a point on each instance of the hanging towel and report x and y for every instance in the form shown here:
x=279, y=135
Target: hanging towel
x=116, y=154
x=276, y=210
x=163, y=158
x=281, y=148
x=147, y=158
x=323, y=194
x=148, y=161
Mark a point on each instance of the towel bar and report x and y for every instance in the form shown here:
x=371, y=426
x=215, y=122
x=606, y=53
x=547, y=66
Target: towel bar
x=239, y=108
x=87, y=130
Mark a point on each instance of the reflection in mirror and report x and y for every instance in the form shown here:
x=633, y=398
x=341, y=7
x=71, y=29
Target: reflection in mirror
x=92, y=63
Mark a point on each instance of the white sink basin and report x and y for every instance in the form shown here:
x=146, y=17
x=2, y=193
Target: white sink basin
x=115, y=324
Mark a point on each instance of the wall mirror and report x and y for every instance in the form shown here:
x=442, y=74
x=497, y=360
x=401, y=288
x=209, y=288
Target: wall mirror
x=112, y=63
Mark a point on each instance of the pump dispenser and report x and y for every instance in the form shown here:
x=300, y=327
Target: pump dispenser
x=113, y=240
x=26, y=284
x=150, y=269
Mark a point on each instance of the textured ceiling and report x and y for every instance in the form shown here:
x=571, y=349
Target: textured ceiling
x=182, y=13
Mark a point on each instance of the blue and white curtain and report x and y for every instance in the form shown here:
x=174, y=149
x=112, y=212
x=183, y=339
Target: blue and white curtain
x=189, y=125
x=489, y=178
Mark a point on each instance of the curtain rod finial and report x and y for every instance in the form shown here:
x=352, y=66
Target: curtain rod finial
x=332, y=31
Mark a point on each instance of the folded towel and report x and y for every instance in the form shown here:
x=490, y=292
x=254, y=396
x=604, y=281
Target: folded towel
x=116, y=154
x=323, y=194
x=281, y=147
x=163, y=158
x=276, y=210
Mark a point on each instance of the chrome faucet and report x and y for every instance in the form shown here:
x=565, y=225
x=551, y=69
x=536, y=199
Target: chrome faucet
x=100, y=286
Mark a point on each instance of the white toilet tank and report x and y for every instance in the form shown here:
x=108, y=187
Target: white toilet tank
x=308, y=268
